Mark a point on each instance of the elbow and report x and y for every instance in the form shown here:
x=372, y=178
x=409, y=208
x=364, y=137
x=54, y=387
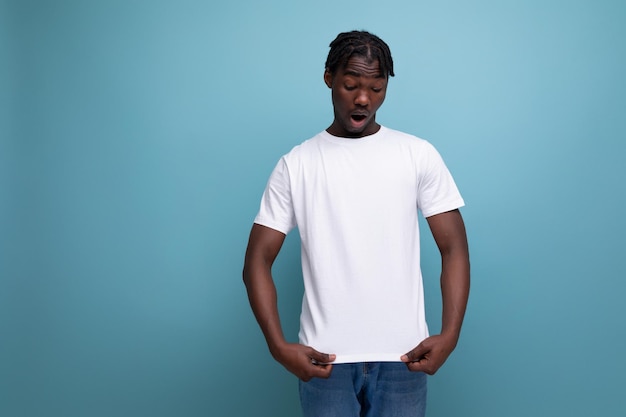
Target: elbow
x=249, y=272
x=245, y=275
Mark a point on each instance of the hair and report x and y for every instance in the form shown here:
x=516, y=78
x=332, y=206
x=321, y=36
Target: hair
x=360, y=43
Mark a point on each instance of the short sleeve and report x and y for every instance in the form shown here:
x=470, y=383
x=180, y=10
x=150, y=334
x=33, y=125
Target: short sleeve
x=437, y=191
x=276, y=211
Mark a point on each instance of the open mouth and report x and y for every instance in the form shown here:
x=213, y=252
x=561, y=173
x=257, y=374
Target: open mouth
x=358, y=117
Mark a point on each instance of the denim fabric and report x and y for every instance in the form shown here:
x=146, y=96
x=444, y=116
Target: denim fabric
x=371, y=389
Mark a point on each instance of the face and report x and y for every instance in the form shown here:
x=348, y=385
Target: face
x=358, y=90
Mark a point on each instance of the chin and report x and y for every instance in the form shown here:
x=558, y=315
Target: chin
x=357, y=129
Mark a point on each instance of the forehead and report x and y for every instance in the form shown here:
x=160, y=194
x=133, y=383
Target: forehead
x=361, y=66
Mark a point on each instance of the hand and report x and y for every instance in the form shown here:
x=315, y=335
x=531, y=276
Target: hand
x=430, y=355
x=304, y=361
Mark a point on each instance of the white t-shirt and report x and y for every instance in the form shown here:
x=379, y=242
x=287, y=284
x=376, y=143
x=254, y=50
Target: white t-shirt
x=355, y=203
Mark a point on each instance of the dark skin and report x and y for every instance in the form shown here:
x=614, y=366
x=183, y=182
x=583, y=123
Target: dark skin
x=263, y=247
x=358, y=90
x=448, y=230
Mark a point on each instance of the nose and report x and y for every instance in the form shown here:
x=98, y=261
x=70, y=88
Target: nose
x=362, y=98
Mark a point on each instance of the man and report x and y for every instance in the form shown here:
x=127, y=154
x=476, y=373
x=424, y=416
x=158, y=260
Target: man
x=354, y=191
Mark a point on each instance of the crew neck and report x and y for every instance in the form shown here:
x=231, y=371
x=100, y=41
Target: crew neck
x=349, y=141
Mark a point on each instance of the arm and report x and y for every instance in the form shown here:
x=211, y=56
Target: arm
x=448, y=230
x=263, y=247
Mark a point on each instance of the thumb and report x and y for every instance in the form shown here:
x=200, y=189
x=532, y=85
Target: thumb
x=415, y=354
x=321, y=358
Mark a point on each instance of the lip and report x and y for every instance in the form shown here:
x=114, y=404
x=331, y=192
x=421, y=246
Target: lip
x=361, y=122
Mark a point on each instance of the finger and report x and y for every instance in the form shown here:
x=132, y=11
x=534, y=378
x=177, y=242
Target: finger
x=323, y=371
x=417, y=366
x=415, y=354
x=319, y=358
x=425, y=365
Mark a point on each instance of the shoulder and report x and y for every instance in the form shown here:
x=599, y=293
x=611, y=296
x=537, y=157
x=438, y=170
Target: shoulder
x=404, y=137
x=414, y=143
x=304, y=149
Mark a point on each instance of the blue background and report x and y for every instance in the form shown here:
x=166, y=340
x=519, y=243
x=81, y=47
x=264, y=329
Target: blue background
x=137, y=137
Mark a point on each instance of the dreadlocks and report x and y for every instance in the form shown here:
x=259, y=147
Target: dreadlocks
x=359, y=43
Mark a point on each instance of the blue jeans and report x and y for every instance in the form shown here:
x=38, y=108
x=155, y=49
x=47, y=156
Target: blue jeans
x=370, y=389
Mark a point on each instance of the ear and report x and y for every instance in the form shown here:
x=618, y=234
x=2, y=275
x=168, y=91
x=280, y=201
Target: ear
x=328, y=79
